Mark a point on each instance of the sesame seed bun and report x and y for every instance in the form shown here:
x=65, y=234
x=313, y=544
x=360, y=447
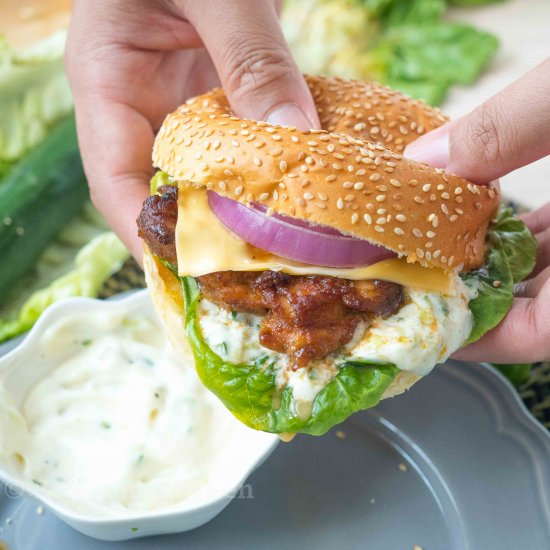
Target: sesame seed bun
x=350, y=175
x=166, y=295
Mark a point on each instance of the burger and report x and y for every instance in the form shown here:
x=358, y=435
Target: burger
x=310, y=274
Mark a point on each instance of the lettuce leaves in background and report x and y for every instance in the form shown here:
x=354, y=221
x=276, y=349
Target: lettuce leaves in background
x=424, y=61
x=407, y=45
x=34, y=93
x=94, y=264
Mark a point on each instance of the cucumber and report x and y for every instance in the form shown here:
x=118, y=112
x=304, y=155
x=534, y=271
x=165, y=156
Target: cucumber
x=38, y=196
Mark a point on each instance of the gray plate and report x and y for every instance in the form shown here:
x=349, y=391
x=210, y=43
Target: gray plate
x=456, y=463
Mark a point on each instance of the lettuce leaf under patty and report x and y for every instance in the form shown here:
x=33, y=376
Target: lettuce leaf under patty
x=251, y=394
x=250, y=391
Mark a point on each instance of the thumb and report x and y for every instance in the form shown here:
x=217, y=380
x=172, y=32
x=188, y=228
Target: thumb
x=256, y=69
x=508, y=131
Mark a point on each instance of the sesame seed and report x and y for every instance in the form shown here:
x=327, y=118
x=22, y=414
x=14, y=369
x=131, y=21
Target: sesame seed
x=264, y=196
x=445, y=196
x=491, y=193
x=379, y=228
x=269, y=211
x=426, y=187
x=453, y=218
x=374, y=177
x=417, y=232
x=283, y=166
x=222, y=185
x=358, y=186
x=451, y=260
x=419, y=252
x=347, y=184
x=349, y=198
x=355, y=218
x=276, y=137
x=300, y=201
x=340, y=203
x=275, y=195
x=330, y=178
x=337, y=166
x=367, y=218
x=380, y=198
x=418, y=199
x=381, y=221
x=395, y=183
x=216, y=145
x=257, y=161
x=308, y=196
x=401, y=217
x=430, y=234
x=440, y=187
x=436, y=254
x=458, y=190
x=478, y=205
x=413, y=183
x=398, y=231
x=238, y=190
x=295, y=139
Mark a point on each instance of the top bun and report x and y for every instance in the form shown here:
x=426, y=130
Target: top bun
x=350, y=175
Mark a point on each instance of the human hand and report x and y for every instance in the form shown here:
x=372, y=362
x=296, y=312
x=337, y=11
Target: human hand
x=130, y=62
x=508, y=131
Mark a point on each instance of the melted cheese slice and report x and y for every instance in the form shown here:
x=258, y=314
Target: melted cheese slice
x=204, y=245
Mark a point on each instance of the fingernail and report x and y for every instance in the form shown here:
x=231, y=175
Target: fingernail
x=432, y=149
x=289, y=114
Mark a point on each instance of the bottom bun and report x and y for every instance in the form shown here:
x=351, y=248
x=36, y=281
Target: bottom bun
x=168, y=302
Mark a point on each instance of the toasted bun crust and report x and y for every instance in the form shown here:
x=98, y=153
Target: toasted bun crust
x=166, y=296
x=332, y=177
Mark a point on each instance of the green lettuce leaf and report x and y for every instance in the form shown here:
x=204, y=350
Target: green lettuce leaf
x=495, y=291
x=511, y=255
x=424, y=60
x=94, y=264
x=407, y=45
x=519, y=244
x=34, y=93
x=250, y=392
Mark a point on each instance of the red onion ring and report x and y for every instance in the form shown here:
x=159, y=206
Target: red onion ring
x=294, y=239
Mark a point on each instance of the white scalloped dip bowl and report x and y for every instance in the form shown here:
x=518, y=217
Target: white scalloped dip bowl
x=243, y=449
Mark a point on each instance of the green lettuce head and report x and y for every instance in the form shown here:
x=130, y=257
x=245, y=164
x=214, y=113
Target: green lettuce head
x=251, y=390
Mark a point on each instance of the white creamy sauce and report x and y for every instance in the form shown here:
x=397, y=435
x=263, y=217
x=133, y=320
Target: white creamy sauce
x=424, y=332
x=121, y=424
